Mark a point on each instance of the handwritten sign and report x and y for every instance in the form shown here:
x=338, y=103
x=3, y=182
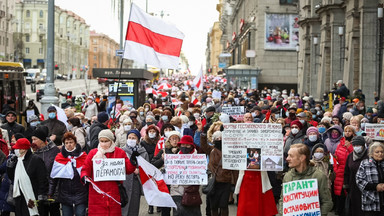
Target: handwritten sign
x=375, y=131
x=109, y=169
x=237, y=112
x=185, y=169
x=254, y=147
x=301, y=196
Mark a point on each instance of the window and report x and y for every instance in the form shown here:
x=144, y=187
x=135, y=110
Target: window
x=27, y=50
x=28, y=13
x=40, y=50
x=288, y=2
x=27, y=38
x=41, y=14
x=41, y=38
x=94, y=65
x=94, y=57
x=94, y=41
x=81, y=41
x=94, y=49
x=41, y=26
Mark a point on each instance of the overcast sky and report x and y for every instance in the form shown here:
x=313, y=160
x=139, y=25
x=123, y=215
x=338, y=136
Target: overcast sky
x=193, y=18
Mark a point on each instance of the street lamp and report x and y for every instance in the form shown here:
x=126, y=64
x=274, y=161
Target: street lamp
x=315, y=43
x=341, y=34
x=380, y=46
x=297, y=55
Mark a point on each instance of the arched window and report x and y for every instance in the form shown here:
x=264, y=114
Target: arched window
x=28, y=13
x=41, y=14
x=27, y=38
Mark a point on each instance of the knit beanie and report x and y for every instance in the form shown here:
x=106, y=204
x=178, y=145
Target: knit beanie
x=22, y=143
x=312, y=129
x=102, y=117
x=358, y=140
x=107, y=134
x=136, y=132
x=347, y=115
x=40, y=133
x=298, y=123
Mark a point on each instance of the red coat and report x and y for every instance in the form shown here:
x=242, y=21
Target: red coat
x=341, y=155
x=99, y=205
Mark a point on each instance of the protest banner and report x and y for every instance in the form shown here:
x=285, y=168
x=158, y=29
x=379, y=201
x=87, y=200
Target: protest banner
x=254, y=147
x=237, y=112
x=375, y=131
x=301, y=197
x=109, y=169
x=185, y=169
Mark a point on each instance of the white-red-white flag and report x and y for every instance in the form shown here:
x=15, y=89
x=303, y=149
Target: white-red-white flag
x=155, y=190
x=152, y=41
x=198, y=81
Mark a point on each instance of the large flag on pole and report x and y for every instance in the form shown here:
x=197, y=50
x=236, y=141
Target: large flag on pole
x=155, y=190
x=198, y=81
x=152, y=41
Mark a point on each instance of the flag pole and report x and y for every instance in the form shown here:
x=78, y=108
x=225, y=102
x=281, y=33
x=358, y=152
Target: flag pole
x=121, y=67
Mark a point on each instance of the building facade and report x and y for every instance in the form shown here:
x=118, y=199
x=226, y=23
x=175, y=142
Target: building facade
x=7, y=15
x=341, y=40
x=102, y=52
x=262, y=34
x=216, y=48
x=30, y=38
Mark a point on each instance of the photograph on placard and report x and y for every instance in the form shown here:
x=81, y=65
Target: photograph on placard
x=253, y=158
x=272, y=162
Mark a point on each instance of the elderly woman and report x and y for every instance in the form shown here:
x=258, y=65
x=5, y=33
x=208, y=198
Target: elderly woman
x=313, y=137
x=121, y=132
x=73, y=195
x=99, y=204
x=152, y=136
x=149, y=120
x=334, y=134
x=29, y=176
x=132, y=183
x=370, y=181
x=320, y=160
x=355, y=122
x=74, y=126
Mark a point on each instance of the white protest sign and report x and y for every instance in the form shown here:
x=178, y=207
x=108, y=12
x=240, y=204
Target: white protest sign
x=301, y=197
x=30, y=113
x=254, y=147
x=185, y=169
x=237, y=112
x=216, y=94
x=109, y=169
x=375, y=131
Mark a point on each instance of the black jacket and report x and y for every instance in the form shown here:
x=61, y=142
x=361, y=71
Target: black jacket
x=94, y=131
x=343, y=91
x=13, y=128
x=55, y=127
x=71, y=191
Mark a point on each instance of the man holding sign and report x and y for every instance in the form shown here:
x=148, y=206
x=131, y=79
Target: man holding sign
x=297, y=196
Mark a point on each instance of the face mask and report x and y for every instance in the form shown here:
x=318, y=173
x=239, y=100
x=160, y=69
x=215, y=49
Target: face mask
x=185, y=150
x=318, y=155
x=118, y=106
x=277, y=116
x=306, y=107
x=292, y=115
x=294, y=131
x=166, y=134
x=302, y=121
x=131, y=142
x=141, y=113
x=149, y=123
x=312, y=138
x=127, y=127
x=190, y=123
x=334, y=136
x=70, y=127
x=165, y=118
x=89, y=101
x=287, y=113
x=52, y=115
x=350, y=110
x=133, y=117
x=361, y=108
x=17, y=152
x=253, y=115
x=358, y=149
x=34, y=124
x=157, y=117
x=363, y=125
x=152, y=135
x=317, y=108
x=217, y=144
x=146, y=109
x=318, y=113
x=196, y=115
x=313, y=116
x=321, y=130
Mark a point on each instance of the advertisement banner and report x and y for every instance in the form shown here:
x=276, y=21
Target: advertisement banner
x=375, y=131
x=185, y=169
x=281, y=31
x=237, y=112
x=109, y=169
x=301, y=197
x=251, y=146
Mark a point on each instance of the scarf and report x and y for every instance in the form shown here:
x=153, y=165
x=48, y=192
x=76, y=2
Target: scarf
x=63, y=165
x=101, y=152
x=357, y=156
x=23, y=183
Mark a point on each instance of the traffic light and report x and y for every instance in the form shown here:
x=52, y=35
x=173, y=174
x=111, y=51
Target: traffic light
x=56, y=67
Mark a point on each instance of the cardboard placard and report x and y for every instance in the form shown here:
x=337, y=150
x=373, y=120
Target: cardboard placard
x=301, y=197
x=251, y=146
x=109, y=169
x=237, y=112
x=185, y=169
x=375, y=131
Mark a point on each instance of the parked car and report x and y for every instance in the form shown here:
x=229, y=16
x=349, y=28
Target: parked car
x=101, y=80
x=61, y=77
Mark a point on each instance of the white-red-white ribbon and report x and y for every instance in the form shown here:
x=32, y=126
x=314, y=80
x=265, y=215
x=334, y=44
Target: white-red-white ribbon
x=98, y=190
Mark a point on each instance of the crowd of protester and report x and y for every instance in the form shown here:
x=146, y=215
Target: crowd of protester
x=46, y=166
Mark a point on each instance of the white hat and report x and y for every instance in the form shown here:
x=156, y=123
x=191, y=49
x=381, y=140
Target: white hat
x=340, y=82
x=224, y=118
x=216, y=135
x=171, y=133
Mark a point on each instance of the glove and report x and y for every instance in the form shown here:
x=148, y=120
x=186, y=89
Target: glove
x=133, y=158
x=83, y=180
x=11, y=162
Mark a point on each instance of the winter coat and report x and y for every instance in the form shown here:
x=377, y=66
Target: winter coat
x=341, y=155
x=330, y=142
x=323, y=164
x=343, y=91
x=80, y=134
x=149, y=145
x=121, y=137
x=55, y=127
x=354, y=194
x=343, y=109
x=94, y=131
x=4, y=189
x=293, y=139
x=133, y=185
x=37, y=172
x=322, y=182
x=90, y=110
x=100, y=205
x=310, y=144
x=71, y=191
x=367, y=178
x=13, y=128
x=214, y=165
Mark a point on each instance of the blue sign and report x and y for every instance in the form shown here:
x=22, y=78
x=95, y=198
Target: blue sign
x=119, y=52
x=222, y=65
